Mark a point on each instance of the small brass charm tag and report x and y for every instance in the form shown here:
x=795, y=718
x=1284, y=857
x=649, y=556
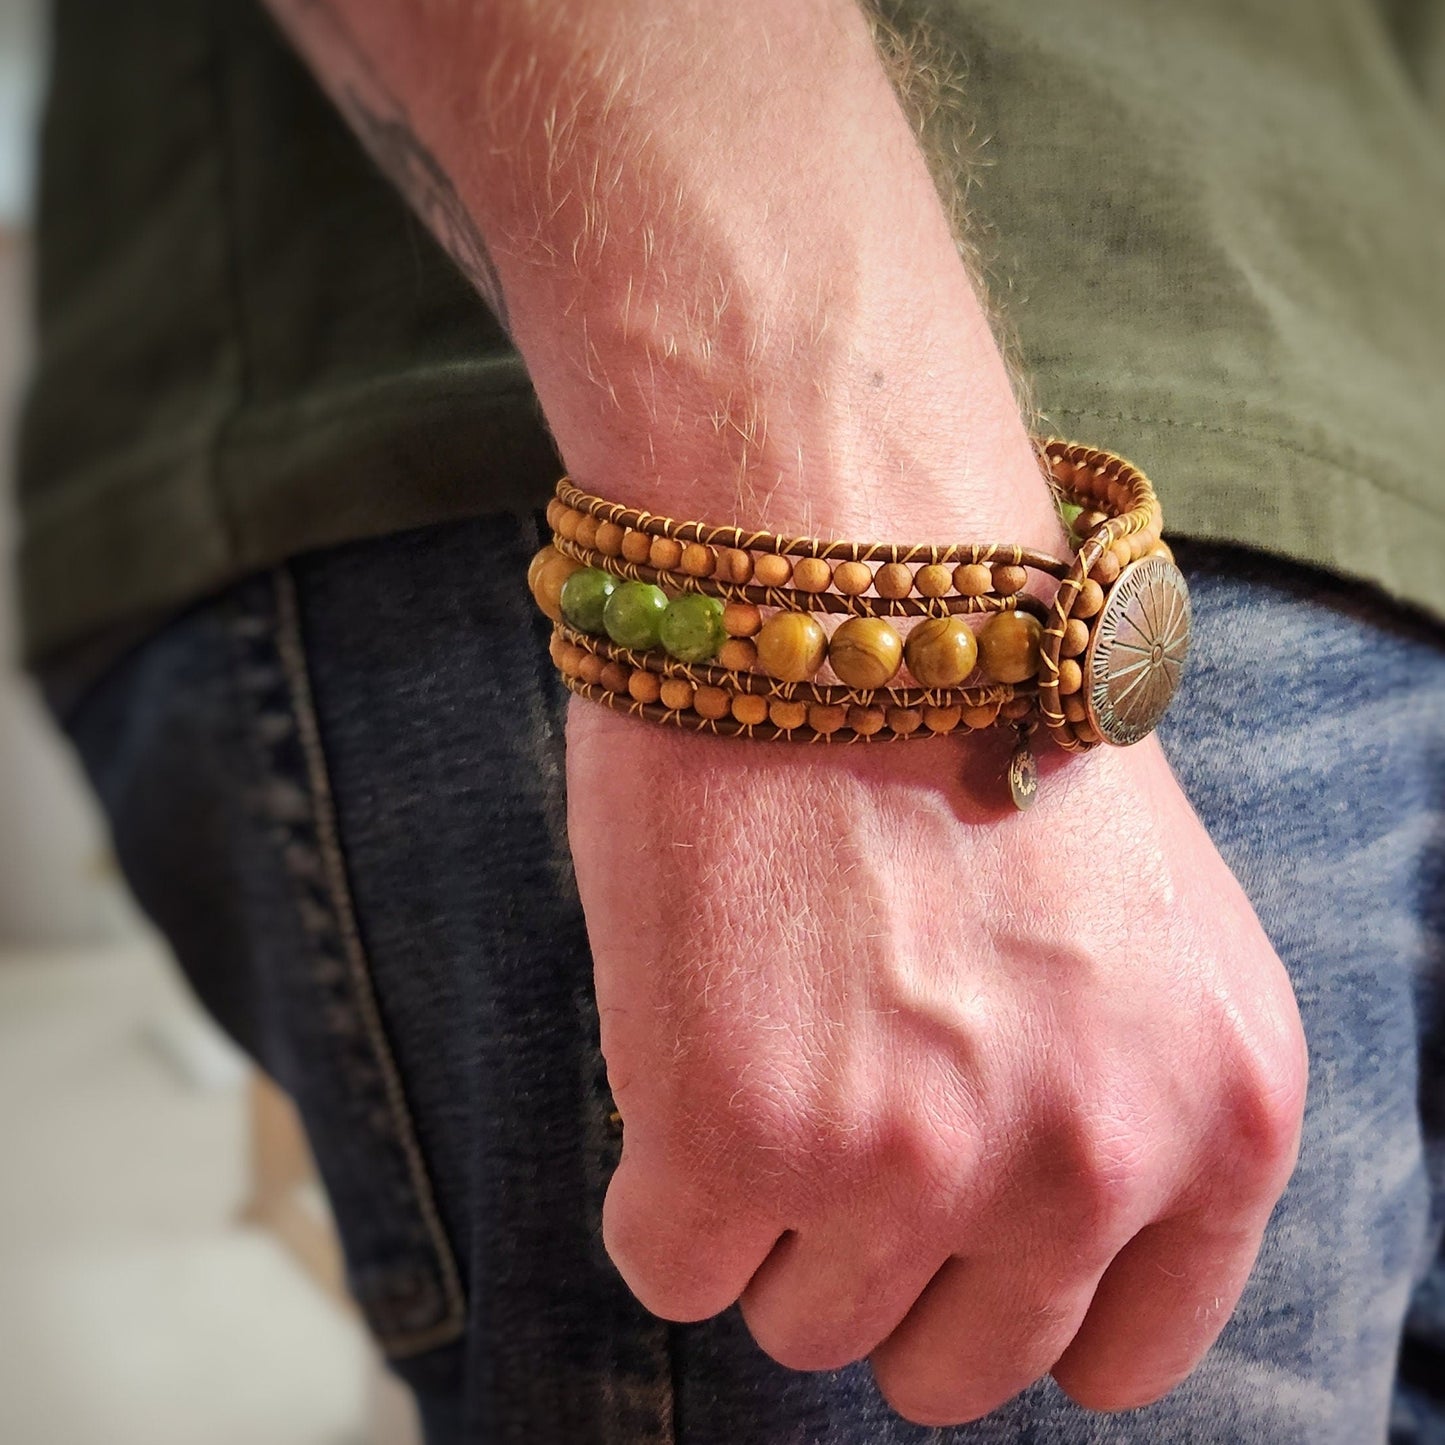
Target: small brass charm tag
x=1023, y=774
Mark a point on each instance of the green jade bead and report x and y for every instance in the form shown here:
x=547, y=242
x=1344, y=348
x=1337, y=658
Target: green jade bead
x=633, y=615
x=692, y=627
x=584, y=597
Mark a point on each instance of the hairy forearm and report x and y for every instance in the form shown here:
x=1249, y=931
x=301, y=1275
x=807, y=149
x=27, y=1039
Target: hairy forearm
x=713, y=236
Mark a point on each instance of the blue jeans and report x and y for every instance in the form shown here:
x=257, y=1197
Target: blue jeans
x=339, y=791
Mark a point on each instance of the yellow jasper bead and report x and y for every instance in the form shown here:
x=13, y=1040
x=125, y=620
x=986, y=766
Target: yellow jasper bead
x=1008, y=579
x=741, y=619
x=865, y=651
x=1009, y=642
x=791, y=646
x=738, y=654
x=893, y=580
x=586, y=533
x=636, y=546
x=1090, y=599
x=904, y=720
x=644, y=686
x=973, y=579
x=787, y=714
x=676, y=693
x=941, y=719
x=609, y=539
x=749, y=707
x=665, y=554
x=941, y=651
x=1075, y=638
x=711, y=702
x=980, y=717
x=734, y=565
x=1071, y=677
x=826, y=717
x=771, y=570
x=865, y=721
x=698, y=560
x=546, y=573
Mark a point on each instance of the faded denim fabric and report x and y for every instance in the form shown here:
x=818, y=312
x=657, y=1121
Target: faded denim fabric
x=339, y=790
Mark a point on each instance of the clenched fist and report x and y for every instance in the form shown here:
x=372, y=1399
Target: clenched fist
x=979, y=1095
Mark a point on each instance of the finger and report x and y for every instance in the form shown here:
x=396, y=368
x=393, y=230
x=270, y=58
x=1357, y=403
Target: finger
x=1158, y=1308
x=826, y=1296
x=979, y=1334
x=685, y=1252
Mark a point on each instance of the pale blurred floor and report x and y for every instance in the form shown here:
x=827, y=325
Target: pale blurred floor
x=134, y=1310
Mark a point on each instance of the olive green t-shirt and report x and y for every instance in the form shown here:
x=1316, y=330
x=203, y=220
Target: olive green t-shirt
x=1217, y=230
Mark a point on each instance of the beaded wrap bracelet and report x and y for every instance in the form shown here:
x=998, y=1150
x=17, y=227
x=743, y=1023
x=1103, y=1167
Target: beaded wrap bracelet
x=686, y=642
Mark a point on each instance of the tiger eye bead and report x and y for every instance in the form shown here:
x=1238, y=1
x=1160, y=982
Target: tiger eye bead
x=1076, y=637
x=1089, y=601
x=739, y=654
x=771, y=570
x=636, y=546
x=644, y=686
x=1008, y=579
x=741, y=619
x=609, y=539
x=676, y=693
x=1071, y=677
x=865, y=651
x=942, y=719
x=812, y=574
x=787, y=713
x=1009, y=642
x=893, y=580
x=546, y=574
x=750, y=708
x=933, y=580
x=711, y=702
x=826, y=717
x=734, y=565
x=698, y=560
x=791, y=646
x=852, y=578
x=665, y=554
x=865, y=720
x=941, y=651
x=973, y=579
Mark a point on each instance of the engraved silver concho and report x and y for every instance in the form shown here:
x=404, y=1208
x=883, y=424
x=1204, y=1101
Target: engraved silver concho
x=1135, y=656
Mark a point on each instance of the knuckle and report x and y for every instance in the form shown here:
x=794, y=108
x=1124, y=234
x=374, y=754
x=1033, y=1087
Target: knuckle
x=1265, y=1111
x=1106, y=1160
x=677, y=1284
x=808, y=1345
x=920, y=1404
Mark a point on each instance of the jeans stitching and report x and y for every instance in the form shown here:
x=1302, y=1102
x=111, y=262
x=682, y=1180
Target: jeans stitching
x=291, y=650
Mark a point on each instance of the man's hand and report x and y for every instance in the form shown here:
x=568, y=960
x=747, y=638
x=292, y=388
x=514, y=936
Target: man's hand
x=979, y=1096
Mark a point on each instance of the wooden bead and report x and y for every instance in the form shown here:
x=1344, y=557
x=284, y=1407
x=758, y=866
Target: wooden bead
x=812, y=574
x=933, y=580
x=609, y=539
x=566, y=524
x=572, y=658
x=942, y=719
x=865, y=651
x=852, y=579
x=791, y=646
x=1071, y=676
x=741, y=619
x=893, y=580
x=787, y=713
x=771, y=570
x=1008, y=579
x=973, y=579
x=711, y=702
x=904, y=720
x=589, y=667
x=698, y=560
x=644, y=686
x=1076, y=637
x=556, y=648
x=734, y=565
x=866, y=719
x=1016, y=707
x=827, y=717
x=555, y=508
x=1086, y=732
x=1089, y=601
x=1122, y=551
x=980, y=717
x=676, y=693
x=941, y=651
x=665, y=554
x=586, y=533
x=738, y=653
x=750, y=707
x=636, y=546
x=1009, y=642
x=548, y=570
x=1087, y=520
x=1074, y=708
x=615, y=676
x=1106, y=569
